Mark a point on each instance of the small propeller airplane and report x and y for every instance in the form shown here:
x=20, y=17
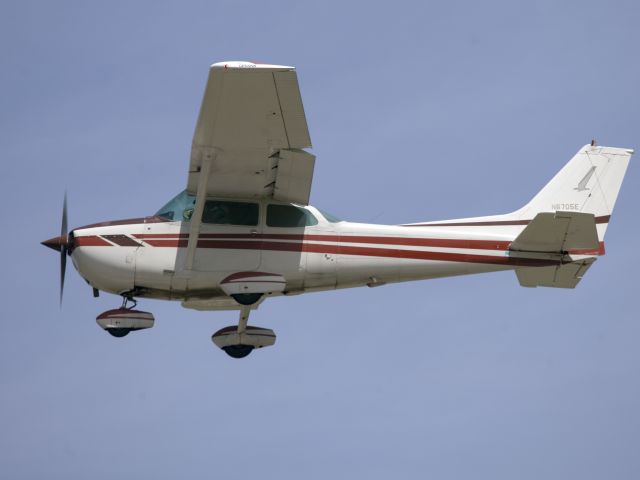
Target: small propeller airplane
x=243, y=229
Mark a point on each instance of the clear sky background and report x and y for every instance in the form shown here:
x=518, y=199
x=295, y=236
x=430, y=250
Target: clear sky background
x=417, y=111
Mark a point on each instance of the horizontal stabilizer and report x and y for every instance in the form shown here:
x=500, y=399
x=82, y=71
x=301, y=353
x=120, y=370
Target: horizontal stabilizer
x=558, y=276
x=558, y=232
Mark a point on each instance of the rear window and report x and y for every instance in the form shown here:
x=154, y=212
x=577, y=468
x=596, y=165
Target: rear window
x=331, y=218
x=289, y=216
x=230, y=213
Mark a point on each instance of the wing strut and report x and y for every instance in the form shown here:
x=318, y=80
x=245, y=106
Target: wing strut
x=201, y=195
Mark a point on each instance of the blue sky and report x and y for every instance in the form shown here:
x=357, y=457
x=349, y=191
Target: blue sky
x=417, y=111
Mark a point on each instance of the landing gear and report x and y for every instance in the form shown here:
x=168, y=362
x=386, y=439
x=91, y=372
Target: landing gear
x=238, y=351
x=118, y=332
x=121, y=321
x=246, y=298
x=240, y=341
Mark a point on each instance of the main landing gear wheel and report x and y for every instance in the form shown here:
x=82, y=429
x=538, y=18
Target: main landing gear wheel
x=118, y=332
x=239, y=341
x=246, y=298
x=238, y=351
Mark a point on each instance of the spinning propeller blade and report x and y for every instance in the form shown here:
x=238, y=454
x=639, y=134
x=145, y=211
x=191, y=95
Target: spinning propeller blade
x=63, y=246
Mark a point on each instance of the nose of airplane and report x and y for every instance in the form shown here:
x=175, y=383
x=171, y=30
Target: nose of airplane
x=56, y=243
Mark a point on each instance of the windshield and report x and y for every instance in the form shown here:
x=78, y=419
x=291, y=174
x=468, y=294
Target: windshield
x=179, y=208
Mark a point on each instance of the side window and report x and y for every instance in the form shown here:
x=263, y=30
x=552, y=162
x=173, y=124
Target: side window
x=230, y=213
x=289, y=216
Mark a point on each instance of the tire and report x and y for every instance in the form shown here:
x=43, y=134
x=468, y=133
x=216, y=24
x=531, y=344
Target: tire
x=118, y=332
x=247, y=298
x=238, y=351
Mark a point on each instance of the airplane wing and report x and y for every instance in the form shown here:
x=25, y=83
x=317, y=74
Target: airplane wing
x=250, y=134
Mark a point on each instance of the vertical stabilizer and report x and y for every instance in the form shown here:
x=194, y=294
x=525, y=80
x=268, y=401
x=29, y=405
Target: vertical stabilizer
x=589, y=183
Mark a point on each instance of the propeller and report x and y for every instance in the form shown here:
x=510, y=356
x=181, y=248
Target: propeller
x=64, y=242
x=61, y=244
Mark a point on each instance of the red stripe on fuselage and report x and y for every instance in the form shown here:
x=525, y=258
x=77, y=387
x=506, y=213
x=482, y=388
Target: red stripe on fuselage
x=121, y=240
x=257, y=241
x=495, y=223
x=296, y=243
x=160, y=239
x=168, y=243
x=90, y=241
x=338, y=249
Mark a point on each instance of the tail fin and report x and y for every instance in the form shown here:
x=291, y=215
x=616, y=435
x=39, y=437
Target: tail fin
x=589, y=183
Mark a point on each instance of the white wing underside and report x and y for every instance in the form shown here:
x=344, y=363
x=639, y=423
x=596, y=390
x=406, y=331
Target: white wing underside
x=252, y=129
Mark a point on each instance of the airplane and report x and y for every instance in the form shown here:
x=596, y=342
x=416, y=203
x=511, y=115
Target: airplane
x=243, y=229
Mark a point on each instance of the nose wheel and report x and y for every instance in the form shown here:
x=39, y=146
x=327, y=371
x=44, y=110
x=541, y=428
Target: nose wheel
x=124, y=320
x=239, y=341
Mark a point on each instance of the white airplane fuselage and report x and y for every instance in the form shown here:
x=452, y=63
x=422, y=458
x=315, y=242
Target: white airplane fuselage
x=146, y=257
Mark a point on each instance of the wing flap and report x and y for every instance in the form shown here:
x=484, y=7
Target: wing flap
x=293, y=177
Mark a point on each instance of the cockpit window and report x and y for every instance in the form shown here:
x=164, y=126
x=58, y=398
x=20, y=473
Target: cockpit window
x=331, y=218
x=230, y=213
x=180, y=208
x=289, y=216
